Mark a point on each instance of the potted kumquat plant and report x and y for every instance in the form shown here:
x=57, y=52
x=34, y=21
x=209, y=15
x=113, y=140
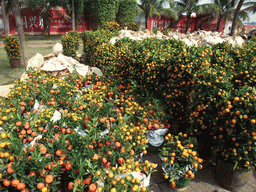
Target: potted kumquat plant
x=180, y=160
x=12, y=48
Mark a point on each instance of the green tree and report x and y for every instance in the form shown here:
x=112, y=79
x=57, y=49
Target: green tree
x=106, y=10
x=250, y=6
x=235, y=18
x=188, y=7
x=78, y=11
x=101, y=11
x=150, y=8
x=223, y=10
x=242, y=14
x=173, y=11
x=65, y=4
x=45, y=6
x=127, y=11
x=209, y=14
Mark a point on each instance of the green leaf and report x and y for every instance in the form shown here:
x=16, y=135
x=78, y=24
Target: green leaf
x=50, y=145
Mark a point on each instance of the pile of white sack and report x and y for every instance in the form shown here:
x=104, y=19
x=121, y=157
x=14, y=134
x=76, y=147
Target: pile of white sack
x=58, y=64
x=197, y=38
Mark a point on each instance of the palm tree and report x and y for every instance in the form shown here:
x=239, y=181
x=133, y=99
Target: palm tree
x=250, y=6
x=208, y=14
x=223, y=8
x=242, y=14
x=172, y=12
x=188, y=7
x=150, y=7
x=236, y=15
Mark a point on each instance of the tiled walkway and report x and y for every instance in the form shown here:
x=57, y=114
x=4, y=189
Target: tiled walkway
x=204, y=181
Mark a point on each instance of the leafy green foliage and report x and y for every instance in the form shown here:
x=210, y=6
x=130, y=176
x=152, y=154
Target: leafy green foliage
x=76, y=37
x=130, y=26
x=127, y=11
x=106, y=10
x=112, y=26
x=70, y=45
x=12, y=47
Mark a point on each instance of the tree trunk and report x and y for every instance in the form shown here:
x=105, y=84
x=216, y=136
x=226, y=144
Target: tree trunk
x=234, y=23
x=175, y=22
x=19, y=25
x=6, y=29
x=208, y=18
x=73, y=16
x=188, y=20
x=146, y=21
x=218, y=23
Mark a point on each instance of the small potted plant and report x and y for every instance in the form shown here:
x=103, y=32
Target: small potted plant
x=157, y=125
x=180, y=160
x=12, y=48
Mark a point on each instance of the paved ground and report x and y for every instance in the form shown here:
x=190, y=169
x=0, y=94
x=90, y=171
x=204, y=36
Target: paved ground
x=204, y=181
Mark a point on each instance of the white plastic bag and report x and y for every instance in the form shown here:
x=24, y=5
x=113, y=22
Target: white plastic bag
x=56, y=116
x=155, y=137
x=79, y=131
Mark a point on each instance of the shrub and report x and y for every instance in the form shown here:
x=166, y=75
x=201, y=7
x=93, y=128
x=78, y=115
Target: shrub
x=130, y=26
x=70, y=133
x=98, y=49
x=180, y=158
x=111, y=26
x=106, y=10
x=76, y=36
x=167, y=31
x=12, y=47
x=69, y=45
x=127, y=11
x=155, y=30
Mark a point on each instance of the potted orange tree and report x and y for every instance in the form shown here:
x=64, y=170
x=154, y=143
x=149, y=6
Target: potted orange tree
x=12, y=48
x=180, y=160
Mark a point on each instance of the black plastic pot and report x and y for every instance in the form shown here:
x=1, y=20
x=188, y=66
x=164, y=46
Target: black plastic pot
x=230, y=179
x=15, y=63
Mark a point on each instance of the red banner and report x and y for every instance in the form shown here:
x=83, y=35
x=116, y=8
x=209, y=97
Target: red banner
x=33, y=23
x=163, y=23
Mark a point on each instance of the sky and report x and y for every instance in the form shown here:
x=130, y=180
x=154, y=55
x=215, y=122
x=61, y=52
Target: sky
x=252, y=16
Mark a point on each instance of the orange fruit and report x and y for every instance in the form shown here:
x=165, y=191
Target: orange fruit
x=48, y=178
x=87, y=181
x=15, y=182
x=6, y=183
x=104, y=160
x=21, y=186
x=117, y=144
x=92, y=187
x=70, y=185
x=18, y=123
x=40, y=185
